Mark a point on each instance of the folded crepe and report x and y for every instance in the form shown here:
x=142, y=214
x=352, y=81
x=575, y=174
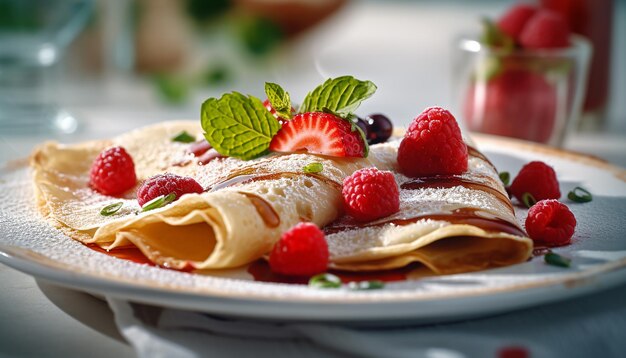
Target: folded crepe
x=450, y=224
x=246, y=207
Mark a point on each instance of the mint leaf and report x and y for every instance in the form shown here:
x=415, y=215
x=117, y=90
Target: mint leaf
x=238, y=126
x=341, y=95
x=279, y=99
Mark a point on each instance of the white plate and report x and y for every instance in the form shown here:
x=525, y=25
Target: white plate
x=28, y=244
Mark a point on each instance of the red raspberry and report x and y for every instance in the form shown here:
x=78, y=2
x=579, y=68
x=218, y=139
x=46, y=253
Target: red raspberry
x=546, y=29
x=301, y=251
x=538, y=179
x=514, y=20
x=433, y=145
x=163, y=184
x=113, y=172
x=370, y=194
x=550, y=223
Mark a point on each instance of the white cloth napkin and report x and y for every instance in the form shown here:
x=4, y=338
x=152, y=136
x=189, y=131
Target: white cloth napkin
x=163, y=332
x=591, y=326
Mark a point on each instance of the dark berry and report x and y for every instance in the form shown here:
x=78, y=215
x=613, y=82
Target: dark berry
x=361, y=123
x=379, y=128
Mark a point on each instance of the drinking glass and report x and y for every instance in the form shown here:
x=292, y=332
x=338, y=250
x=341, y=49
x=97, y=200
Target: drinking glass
x=33, y=37
x=534, y=95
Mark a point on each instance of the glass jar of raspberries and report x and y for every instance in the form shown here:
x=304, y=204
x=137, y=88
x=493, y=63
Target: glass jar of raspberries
x=524, y=76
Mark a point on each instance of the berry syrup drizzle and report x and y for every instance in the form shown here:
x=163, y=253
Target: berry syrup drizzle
x=203, y=151
x=260, y=270
x=125, y=253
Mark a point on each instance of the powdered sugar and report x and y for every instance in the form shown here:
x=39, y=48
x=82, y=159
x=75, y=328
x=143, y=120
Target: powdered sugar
x=598, y=246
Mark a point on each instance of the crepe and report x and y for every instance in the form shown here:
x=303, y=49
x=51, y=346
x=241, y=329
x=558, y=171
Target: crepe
x=246, y=207
x=450, y=224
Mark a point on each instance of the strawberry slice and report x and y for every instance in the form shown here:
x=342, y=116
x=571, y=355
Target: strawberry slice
x=320, y=133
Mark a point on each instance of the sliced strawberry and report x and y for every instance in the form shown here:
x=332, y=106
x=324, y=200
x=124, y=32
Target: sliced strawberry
x=321, y=133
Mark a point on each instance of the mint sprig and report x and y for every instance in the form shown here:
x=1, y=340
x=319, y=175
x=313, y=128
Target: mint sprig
x=238, y=126
x=279, y=99
x=341, y=95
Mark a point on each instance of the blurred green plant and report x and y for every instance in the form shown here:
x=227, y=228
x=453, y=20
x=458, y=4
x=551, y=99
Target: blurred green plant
x=171, y=88
x=216, y=75
x=174, y=89
x=259, y=35
x=17, y=16
x=205, y=10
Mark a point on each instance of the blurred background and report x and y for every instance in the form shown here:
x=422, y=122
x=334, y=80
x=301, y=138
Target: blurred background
x=72, y=70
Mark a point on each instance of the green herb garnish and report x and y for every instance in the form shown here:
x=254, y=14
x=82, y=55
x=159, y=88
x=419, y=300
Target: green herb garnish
x=111, y=209
x=279, y=99
x=528, y=199
x=325, y=280
x=341, y=95
x=183, y=137
x=238, y=126
x=158, y=202
x=557, y=260
x=366, y=285
x=505, y=177
x=583, y=197
x=314, y=167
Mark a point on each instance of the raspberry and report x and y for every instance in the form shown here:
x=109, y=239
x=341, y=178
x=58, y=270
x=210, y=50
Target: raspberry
x=370, y=194
x=113, y=172
x=513, y=21
x=301, y=251
x=433, y=145
x=538, y=179
x=550, y=223
x=546, y=29
x=163, y=184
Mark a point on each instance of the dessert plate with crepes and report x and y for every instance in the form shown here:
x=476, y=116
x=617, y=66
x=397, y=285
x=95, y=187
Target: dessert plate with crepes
x=455, y=247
